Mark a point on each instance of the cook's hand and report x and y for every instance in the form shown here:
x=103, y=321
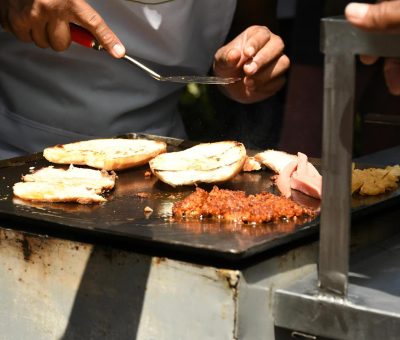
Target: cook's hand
x=381, y=17
x=256, y=55
x=46, y=23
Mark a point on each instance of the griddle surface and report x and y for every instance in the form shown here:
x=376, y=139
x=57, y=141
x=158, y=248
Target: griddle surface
x=123, y=215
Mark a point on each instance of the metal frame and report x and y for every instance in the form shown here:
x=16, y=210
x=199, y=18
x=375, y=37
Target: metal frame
x=325, y=304
x=340, y=42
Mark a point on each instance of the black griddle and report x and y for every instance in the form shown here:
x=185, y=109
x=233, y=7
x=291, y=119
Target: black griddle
x=123, y=215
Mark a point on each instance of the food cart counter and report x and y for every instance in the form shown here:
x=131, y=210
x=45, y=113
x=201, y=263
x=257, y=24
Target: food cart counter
x=111, y=271
x=103, y=272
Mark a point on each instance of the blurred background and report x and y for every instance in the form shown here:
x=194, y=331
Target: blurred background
x=292, y=120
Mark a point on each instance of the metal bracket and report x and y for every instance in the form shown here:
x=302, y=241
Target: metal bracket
x=341, y=42
x=328, y=305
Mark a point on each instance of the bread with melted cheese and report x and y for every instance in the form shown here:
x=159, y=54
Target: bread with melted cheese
x=107, y=154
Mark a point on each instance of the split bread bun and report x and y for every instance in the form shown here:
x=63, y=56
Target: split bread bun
x=207, y=163
x=98, y=180
x=56, y=192
x=107, y=154
x=59, y=185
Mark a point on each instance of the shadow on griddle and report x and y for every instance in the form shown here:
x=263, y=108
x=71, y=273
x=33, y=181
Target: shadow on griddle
x=358, y=200
x=306, y=201
x=250, y=183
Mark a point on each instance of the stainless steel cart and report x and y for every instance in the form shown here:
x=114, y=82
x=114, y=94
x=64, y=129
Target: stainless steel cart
x=112, y=272
x=335, y=303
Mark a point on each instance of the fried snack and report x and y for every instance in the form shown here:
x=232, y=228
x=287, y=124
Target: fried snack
x=236, y=206
x=375, y=181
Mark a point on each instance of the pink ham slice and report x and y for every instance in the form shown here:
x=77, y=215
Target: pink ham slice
x=306, y=178
x=275, y=160
x=300, y=175
x=283, y=179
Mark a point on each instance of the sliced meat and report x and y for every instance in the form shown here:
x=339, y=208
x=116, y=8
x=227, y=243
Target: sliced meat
x=283, y=181
x=294, y=172
x=306, y=178
x=275, y=160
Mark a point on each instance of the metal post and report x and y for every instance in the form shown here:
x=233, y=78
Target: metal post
x=370, y=310
x=341, y=42
x=336, y=172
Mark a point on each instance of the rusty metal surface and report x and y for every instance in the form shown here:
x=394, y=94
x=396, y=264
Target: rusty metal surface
x=58, y=289
x=123, y=215
x=370, y=310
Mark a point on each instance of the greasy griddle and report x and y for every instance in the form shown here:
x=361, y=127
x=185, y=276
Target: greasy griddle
x=123, y=215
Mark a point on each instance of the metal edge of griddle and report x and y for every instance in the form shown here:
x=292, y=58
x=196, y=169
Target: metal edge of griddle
x=307, y=234
x=158, y=247
x=281, y=241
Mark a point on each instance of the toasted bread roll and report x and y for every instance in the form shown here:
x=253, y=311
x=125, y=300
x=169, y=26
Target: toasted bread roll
x=56, y=192
x=98, y=180
x=107, y=154
x=208, y=163
x=60, y=185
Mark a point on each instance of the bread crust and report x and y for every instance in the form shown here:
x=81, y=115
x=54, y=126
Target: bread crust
x=107, y=154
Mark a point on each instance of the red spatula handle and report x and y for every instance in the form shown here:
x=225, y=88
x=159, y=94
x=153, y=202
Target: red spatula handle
x=83, y=37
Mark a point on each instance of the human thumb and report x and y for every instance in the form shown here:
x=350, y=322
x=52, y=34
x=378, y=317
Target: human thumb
x=384, y=16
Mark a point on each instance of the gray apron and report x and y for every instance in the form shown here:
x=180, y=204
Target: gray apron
x=47, y=98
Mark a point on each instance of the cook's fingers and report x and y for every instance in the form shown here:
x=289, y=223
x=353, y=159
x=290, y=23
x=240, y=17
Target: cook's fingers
x=243, y=47
x=20, y=26
x=270, y=52
x=92, y=21
x=59, y=35
x=39, y=34
x=254, y=39
x=377, y=17
x=269, y=72
x=266, y=90
x=226, y=58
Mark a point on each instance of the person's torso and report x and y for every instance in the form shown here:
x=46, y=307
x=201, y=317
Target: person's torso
x=81, y=92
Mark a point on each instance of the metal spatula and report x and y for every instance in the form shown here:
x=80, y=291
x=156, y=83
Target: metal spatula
x=83, y=37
